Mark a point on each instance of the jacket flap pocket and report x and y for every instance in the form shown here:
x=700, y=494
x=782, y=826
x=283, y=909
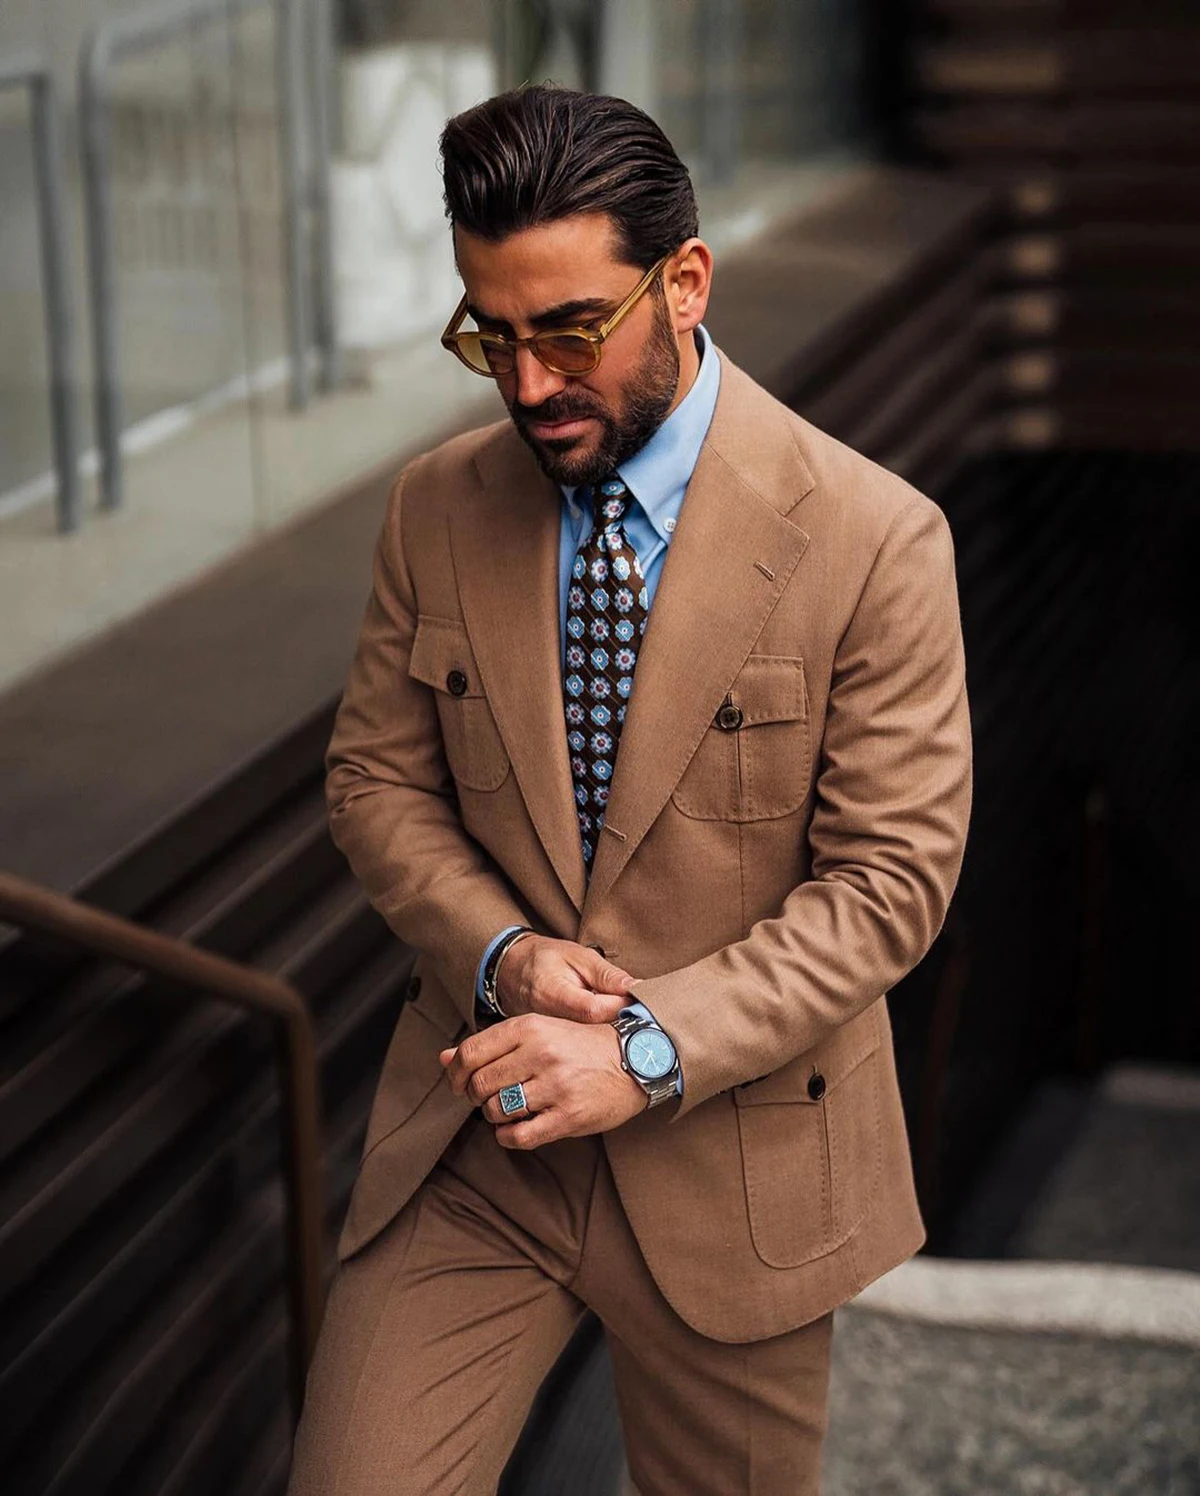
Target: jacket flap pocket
x=770, y=688
x=442, y=657
x=811, y=1077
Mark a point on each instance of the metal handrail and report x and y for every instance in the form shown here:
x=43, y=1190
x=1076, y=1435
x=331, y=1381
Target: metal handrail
x=126, y=36
x=30, y=906
x=58, y=303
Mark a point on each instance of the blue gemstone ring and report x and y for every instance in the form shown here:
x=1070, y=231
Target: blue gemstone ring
x=512, y=1099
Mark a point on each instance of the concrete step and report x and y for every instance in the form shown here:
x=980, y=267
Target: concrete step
x=921, y=1409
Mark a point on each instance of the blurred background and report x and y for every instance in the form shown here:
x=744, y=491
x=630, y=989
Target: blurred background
x=961, y=235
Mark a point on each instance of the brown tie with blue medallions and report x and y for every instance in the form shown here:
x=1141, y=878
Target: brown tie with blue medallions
x=607, y=603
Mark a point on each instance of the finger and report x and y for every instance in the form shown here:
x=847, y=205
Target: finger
x=602, y=974
x=614, y=979
x=568, y=999
x=542, y=1127
x=494, y=1113
x=603, y=1008
x=586, y=1006
x=481, y=1049
x=490, y=1080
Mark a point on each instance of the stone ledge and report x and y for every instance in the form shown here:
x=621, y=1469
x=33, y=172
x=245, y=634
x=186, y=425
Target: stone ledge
x=1082, y=1298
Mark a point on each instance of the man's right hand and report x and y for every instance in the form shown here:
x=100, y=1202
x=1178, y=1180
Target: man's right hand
x=561, y=979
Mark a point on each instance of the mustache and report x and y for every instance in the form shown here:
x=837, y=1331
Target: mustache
x=557, y=408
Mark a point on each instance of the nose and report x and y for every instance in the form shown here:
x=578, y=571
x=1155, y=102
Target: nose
x=535, y=383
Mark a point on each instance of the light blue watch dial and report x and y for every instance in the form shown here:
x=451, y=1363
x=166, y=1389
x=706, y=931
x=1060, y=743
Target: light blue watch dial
x=650, y=1054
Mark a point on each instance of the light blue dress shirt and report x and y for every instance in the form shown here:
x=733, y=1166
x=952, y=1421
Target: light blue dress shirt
x=657, y=476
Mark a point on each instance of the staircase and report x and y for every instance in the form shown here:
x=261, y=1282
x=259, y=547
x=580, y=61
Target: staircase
x=143, y=1339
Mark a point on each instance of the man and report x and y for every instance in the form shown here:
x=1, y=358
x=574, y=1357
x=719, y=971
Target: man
x=655, y=747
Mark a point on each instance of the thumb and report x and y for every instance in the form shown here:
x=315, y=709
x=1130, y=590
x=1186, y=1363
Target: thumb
x=612, y=979
x=600, y=974
x=447, y=1055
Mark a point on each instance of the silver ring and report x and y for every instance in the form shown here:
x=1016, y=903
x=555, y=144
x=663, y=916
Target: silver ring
x=512, y=1099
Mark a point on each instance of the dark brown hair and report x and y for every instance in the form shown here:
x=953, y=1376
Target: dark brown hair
x=541, y=153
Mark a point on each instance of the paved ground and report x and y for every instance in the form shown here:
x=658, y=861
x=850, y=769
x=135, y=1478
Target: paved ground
x=1127, y=1189
x=931, y=1410
x=925, y=1410
x=920, y=1410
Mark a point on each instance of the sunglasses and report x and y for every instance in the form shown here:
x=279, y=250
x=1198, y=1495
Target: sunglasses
x=567, y=350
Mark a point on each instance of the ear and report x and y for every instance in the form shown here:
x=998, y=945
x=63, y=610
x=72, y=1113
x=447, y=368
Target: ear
x=689, y=281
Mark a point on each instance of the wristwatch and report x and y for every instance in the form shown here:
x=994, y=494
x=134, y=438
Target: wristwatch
x=492, y=970
x=648, y=1055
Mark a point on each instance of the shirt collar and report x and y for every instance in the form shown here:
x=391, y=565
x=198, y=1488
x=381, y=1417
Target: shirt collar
x=658, y=473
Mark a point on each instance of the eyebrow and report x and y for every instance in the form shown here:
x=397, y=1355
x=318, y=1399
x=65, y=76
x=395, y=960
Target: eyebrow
x=565, y=311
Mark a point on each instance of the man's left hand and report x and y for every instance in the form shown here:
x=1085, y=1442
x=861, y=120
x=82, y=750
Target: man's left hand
x=571, y=1072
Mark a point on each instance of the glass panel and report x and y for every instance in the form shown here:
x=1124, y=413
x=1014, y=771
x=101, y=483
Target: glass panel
x=219, y=443
x=194, y=196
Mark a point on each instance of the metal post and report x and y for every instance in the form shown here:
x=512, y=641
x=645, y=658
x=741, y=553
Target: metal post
x=298, y=1068
x=96, y=153
x=57, y=302
x=322, y=61
x=289, y=41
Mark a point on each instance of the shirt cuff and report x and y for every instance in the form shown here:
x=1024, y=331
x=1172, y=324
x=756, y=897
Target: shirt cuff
x=642, y=1011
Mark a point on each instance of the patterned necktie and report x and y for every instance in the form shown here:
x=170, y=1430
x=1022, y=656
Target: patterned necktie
x=606, y=618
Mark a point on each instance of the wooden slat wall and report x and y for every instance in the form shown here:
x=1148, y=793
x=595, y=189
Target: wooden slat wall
x=1086, y=114
x=142, y=1346
x=868, y=314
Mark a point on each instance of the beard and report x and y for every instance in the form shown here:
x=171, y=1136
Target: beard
x=645, y=400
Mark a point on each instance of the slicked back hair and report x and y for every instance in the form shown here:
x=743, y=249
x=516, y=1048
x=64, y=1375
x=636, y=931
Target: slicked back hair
x=541, y=153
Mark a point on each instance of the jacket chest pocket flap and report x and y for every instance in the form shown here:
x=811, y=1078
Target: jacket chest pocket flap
x=442, y=657
x=754, y=761
x=811, y=1146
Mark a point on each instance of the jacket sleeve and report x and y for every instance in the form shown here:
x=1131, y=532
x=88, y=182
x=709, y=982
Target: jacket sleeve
x=393, y=810
x=887, y=834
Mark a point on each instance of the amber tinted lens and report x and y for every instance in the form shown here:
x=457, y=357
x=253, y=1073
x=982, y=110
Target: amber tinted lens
x=485, y=355
x=566, y=352
x=498, y=356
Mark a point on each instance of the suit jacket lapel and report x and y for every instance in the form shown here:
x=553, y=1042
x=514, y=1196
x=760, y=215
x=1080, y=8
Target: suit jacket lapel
x=505, y=540
x=729, y=560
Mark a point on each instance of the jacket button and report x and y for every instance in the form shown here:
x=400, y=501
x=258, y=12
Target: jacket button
x=729, y=718
x=592, y=946
x=413, y=990
x=816, y=1086
x=456, y=683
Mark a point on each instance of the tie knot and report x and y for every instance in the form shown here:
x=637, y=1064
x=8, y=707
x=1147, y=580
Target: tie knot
x=612, y=499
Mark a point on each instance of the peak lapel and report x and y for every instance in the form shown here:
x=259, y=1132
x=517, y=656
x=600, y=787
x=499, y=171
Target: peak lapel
x=505, y=543
x=709, y=607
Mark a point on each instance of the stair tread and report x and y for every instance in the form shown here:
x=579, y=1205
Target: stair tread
x=35, y=1331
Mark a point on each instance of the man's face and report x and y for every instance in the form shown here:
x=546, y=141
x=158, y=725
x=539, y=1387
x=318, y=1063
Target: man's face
x=565, y=274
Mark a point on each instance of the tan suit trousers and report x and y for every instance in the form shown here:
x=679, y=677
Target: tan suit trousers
x=438, y=1334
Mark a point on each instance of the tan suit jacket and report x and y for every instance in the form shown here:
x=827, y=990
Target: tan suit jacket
x=767, y=884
